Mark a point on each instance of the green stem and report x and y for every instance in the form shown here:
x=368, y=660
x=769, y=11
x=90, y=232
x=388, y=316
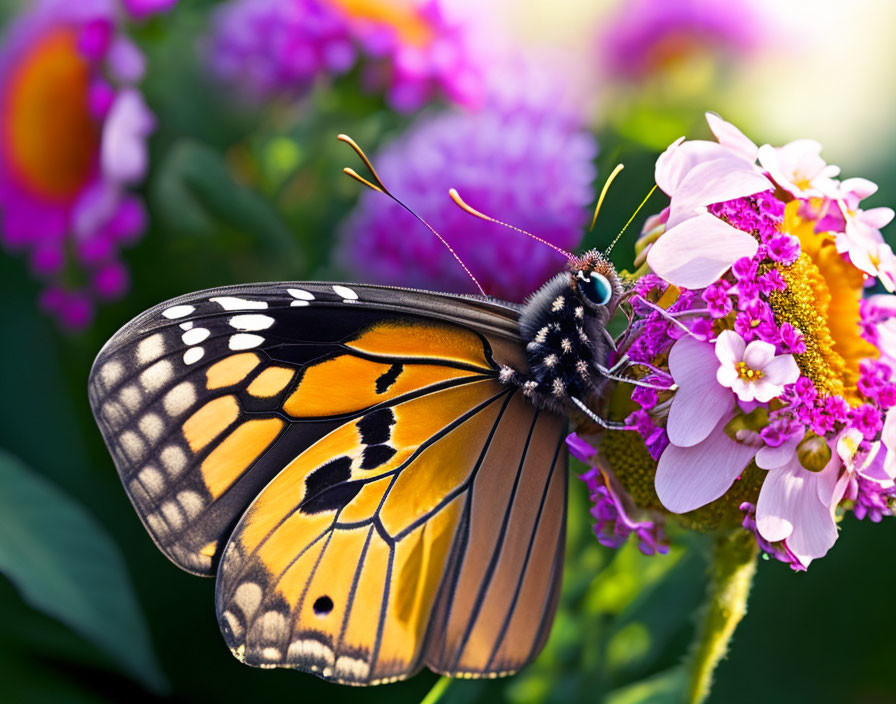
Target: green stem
x=438, y=689
x=731, y=575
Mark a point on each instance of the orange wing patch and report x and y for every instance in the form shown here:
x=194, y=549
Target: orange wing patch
x=210, y=421
x=270, y=382
x=422, y=340
x=231, y=370
x=372, y=384
x=232, y=457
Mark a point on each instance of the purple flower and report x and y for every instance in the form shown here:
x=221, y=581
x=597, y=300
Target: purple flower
x=784, y=249
x=873, y=500
x=792, y=339
x=718, y=302
x=779, y=550
x=65, y=170
x=413, y=52
x=648, y=36
x=613, y=525
x=419, y=51
x=141, y=9
x=525, y=165
x=269, y=47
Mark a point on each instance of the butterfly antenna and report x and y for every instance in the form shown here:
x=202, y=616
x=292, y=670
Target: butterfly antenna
x=379, y=186
x=455, y=196
x=634, y=215
x=603, y=194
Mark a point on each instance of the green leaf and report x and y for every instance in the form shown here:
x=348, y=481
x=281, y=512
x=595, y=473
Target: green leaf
x=64, y=564
x=197, y=194
x=665, y=688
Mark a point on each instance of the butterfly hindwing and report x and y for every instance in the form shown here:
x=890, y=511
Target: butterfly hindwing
x=449, y=557
x=350, y=439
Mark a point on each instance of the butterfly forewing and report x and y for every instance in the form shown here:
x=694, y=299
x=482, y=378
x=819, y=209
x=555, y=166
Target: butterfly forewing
x=353, y=437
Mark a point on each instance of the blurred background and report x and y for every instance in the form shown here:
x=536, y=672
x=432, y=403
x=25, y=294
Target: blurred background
x=149, y=148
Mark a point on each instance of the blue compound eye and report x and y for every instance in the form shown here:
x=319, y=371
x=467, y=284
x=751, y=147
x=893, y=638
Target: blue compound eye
x=596, y=288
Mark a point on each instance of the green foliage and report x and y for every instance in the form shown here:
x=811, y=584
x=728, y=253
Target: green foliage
x=63, y=563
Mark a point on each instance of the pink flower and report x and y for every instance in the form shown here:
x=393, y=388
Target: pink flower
x=66, y=170
x=702, y=462
x=697, y=248
x=753, y=371
x=798, y=505
x=862, y=241
x=798, y=168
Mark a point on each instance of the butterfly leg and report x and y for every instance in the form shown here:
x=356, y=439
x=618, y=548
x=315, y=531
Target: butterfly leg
x=551, y=398
x=666, y=314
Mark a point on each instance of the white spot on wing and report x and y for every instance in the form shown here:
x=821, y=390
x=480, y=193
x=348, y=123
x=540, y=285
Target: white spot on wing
x=157, y=375
x=251, y=322
x=301, y=294
x=130, y=396
x=352, y=668
x=191, y=503
x=111, y=372
x=151, y=426
x=174, y=460
x=176, y=312
x=311, y=649
x=114, y=414
x=233, y=303
x=180, y=398
x=187, y=325
x=151, y=348
x=348, y=296
x=195, y=336
x=244, y=341
x=133, y=446
x=173, y=515
x=152, y=480
x=193, y=355
x=248, y=598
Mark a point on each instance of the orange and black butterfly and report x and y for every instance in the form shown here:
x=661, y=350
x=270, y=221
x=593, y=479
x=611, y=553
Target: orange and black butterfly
x=376, y=476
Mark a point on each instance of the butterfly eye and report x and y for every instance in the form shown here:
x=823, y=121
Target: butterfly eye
x=596, y=288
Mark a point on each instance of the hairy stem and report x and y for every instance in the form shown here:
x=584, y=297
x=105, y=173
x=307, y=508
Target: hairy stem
x=731, y=575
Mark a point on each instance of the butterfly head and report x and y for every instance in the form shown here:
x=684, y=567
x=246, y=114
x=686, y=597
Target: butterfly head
x=594, y=280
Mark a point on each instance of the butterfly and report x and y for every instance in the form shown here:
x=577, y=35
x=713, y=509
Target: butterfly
x=376, y=476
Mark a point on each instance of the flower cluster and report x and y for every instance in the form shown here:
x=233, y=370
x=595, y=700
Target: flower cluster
x=74, y=130
x=774, y=392
x=411, y=51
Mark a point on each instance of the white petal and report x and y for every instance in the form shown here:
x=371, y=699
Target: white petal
x=715, y=181
x=698, y=251
x=758, y=354
x=730, y=348
x=782, y=370
x=732, y=138
x=700, y=401
x=691, y=477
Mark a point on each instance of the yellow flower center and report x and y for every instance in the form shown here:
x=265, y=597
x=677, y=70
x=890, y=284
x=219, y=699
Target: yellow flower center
x=401, y=15
x=747, y=374
x=822, y=302
x=51, y=138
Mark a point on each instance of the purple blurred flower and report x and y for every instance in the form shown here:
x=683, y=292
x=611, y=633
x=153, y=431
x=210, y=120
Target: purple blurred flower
x=73, y=140
x=268, y=47
x=141, y=9
x=411, y=51
x=417, y=51
x=526, y=164
x=646, y=36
